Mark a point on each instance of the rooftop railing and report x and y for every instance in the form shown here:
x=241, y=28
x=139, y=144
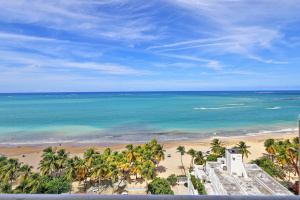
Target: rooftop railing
x=136, y=197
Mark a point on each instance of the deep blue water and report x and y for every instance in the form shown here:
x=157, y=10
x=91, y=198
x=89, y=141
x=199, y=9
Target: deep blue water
x=105, y=118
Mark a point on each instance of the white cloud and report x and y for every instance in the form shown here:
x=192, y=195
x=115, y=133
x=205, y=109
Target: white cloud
x=213, y=64
x=238, y=26
x=27, y=62
x=108, y=68
x=116, y=20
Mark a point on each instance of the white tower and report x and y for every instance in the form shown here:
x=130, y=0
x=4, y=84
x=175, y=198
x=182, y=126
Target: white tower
x=234, y=162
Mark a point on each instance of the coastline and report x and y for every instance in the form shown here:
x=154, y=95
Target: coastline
x=169, y=165
x=167, y=136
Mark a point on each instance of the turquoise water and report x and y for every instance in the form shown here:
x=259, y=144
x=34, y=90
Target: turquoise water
x=108, y=118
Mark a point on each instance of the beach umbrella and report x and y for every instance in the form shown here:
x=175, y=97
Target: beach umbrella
x=208, y=152
x=155, y=162
x=3, y=156
x=182, y=153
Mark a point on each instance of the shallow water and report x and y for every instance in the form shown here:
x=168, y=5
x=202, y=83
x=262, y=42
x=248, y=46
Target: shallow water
x=106, y=118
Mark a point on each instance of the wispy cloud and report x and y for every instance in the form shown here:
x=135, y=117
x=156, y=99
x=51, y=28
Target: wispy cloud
x=239, y=27
x=89, y=19
x=109, y=68
x=42, y=64
x=213, y=64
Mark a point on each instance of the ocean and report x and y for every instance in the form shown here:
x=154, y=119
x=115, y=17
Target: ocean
x=41, y=119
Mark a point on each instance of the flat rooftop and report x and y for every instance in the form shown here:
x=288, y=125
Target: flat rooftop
x=233, y=151
x=257, y=183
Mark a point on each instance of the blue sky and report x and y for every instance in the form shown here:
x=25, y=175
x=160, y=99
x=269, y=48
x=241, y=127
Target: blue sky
x=136, y=45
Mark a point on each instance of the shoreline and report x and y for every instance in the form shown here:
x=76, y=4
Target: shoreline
x=163, y=137
x=33, y=154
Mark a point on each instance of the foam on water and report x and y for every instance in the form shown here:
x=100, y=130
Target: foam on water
x=274, y=108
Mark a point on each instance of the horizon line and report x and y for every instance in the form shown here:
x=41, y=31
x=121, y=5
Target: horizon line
x=153, y=91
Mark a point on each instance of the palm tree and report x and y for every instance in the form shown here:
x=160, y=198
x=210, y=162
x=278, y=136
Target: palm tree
x=146, y=147
x=98, y=169
x=295, y=152
x=13, y=165
x=153, y=143
x=25, y=174
x=82, y=169
x=199, y=158
x=243, y=149
x=71, y=172
x=3, y=162
x=5, y=188
x=284, y=158
x=124, y=164
x=48, y=164
x=192, y=153
x=137, y=167
x=107, y=152
x=270, y=147
x=296, y=140
x=90, y=155
x=113, y=173
x=130, y=153
x=159, y=153
x=62, y=158
x=216, y=146
x=49, y=150
x=148, y=171
x=181, y=150
x=35, y=183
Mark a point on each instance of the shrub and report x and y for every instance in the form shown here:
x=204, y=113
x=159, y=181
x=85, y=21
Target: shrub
x=194, y=181
x=201, y=188
x=57, y=186
x=160, y=186
x=172, y=179
x=212, y=157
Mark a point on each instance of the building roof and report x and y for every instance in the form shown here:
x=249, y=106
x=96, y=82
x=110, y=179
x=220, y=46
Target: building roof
x=233, y=151
x=257, y=183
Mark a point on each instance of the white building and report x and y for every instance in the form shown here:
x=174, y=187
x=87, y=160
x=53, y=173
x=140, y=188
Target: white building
x=230, y=176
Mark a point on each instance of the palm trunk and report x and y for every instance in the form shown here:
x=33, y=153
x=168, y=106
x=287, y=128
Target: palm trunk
x=99, y=184
x=182, y=165
x=71, y=185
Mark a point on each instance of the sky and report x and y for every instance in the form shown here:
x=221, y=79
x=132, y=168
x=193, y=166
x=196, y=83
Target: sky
x=138, y=45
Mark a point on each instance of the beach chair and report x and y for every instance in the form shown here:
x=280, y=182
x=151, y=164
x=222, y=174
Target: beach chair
x=169, y=155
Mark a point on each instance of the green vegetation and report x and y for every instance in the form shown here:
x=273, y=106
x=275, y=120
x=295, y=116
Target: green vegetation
x=57, y=171
x=172, y=179
x=216, y=147
x=160, y=186
x=201, y=188
x=280, y=153
x=243, y=149
x=192, y=153
x=194, y=181
x=212, y=157
x=198, y=185
x=181, y=150
x=268, y=166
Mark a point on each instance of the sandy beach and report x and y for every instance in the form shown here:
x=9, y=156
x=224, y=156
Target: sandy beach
x=171, y=165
